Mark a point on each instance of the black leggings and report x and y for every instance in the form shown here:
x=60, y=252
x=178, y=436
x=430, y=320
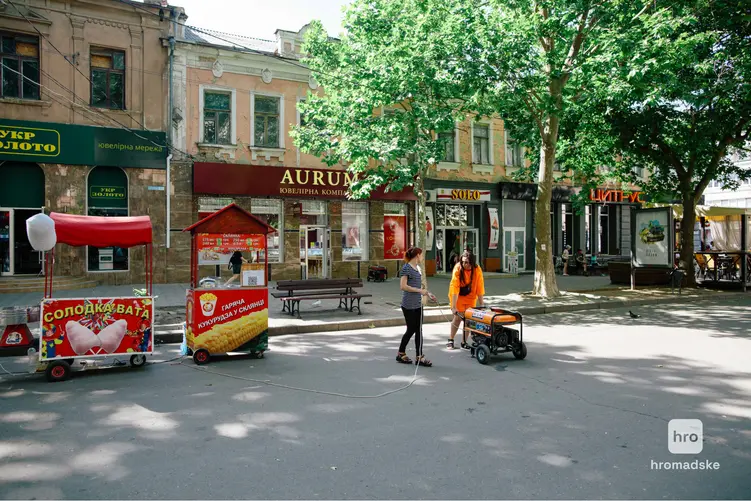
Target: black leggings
x=414, y=328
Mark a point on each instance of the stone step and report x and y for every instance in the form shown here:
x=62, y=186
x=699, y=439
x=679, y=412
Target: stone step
x=21, y=285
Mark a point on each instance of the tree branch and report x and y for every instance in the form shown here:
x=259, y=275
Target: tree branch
x=573, y=51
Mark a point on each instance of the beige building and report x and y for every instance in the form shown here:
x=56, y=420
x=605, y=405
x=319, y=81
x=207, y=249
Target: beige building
x=82, y=126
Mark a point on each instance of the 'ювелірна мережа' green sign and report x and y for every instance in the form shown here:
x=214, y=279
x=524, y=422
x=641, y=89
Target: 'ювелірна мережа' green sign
x=81, y=145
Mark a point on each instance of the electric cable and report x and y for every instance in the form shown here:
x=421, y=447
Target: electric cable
x=123, y=126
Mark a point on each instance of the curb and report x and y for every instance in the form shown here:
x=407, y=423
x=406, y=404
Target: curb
x=437, y=316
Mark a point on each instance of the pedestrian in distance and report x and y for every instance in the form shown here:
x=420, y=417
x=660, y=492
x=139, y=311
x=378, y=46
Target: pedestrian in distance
x=466, y=290
x=565, y=256
x=235, y=264
x=412, y=292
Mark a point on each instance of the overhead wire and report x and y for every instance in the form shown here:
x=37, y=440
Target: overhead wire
x=93, y=109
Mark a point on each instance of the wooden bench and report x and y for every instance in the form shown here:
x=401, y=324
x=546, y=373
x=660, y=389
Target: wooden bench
x=292, y=292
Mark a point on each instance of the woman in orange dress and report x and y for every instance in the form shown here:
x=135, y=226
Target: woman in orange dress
x=466, y=290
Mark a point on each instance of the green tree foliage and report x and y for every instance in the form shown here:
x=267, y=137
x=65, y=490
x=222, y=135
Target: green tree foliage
x=676, y=97
x=388, y=87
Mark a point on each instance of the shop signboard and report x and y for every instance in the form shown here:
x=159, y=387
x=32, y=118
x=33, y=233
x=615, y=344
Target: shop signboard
x=222, y=318
x=615, y=196
x=287, y=182
x=107, y=192
x=217, y=249
x=394, y=237
x=495, y=228
x=462, y=195
x=430, y=228
x=96, y=327
x=652, y=237
x=48, y=142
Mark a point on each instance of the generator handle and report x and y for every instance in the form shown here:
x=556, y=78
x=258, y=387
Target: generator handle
x=501, y=311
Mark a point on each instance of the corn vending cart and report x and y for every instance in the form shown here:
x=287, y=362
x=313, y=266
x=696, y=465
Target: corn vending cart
x=228, y=318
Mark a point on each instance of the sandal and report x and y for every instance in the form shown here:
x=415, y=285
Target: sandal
x=465, y=346
x=423, y=362
x=402, y=358
x=450, y=344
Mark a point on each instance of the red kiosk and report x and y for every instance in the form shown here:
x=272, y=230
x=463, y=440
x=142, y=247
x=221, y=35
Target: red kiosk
x=228, y=318
x=96, y=327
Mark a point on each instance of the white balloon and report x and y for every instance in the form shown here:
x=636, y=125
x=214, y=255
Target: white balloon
x=40, y=229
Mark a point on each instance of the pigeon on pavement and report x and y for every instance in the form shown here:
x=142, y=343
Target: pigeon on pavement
x=633, y=315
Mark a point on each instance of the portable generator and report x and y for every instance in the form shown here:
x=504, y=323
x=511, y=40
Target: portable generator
x=490, y=334
x=377, y=273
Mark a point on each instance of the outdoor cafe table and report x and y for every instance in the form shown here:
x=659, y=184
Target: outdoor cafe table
x=727, y=262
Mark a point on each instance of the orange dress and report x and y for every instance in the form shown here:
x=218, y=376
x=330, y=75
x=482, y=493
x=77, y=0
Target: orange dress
x=477, y=288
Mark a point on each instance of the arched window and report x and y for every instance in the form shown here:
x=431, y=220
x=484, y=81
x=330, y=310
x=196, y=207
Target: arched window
x=107, y=194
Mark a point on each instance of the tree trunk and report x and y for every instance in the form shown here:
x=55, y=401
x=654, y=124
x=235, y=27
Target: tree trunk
x=686, y=261
x=545, y=282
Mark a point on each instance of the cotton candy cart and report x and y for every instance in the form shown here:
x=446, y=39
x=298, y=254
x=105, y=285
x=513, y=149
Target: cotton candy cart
x=230, y=318
x=95, y=327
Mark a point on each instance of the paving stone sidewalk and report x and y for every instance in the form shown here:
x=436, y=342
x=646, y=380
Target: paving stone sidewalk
x=382, y=309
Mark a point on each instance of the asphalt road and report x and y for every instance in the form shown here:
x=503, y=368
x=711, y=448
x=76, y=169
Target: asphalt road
x=584, y=416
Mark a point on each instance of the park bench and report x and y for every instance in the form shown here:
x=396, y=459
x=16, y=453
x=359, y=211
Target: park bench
x=292, y=292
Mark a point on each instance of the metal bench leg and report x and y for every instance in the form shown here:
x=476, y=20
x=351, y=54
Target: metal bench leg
x=359, y=312
x=342, y=303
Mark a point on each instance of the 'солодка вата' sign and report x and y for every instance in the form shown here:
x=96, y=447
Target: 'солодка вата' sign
x=81, y=145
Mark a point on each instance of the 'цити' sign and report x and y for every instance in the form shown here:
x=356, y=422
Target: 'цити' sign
x=81, y=145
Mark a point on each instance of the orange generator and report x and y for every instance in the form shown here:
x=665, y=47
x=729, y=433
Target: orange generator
x=490, y=334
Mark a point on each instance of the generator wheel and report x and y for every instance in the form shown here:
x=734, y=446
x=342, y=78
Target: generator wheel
x=521, y=353
x=201, y=357
x=483, y=354
x=137, y=360
x=57, y=371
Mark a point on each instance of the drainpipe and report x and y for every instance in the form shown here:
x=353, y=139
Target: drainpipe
x=167, y=190
x=169, y=124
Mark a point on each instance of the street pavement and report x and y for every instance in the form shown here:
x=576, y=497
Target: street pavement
x=584, y=416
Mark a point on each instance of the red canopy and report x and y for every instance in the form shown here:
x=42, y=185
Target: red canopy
x=100, y=231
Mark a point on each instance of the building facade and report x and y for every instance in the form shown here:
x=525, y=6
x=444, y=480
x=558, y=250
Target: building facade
x=239, y=104
x=82, y=128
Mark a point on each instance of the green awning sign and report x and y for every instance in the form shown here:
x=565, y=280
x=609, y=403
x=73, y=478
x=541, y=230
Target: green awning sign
x=29, y=141
x=82, y=145
x=107, y=192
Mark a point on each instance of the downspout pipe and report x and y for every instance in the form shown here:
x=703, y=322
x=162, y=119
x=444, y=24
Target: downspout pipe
x=170, y=126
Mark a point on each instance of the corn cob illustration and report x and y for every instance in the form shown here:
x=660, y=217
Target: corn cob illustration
x=226, y=337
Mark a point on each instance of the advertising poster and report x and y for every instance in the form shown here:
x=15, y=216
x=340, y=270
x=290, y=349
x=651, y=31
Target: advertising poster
x=495, y=228
x=394, y=237
x=652, y=240
x=217, y=249
x=222, y=320
x=95, y=327
x=430, y=228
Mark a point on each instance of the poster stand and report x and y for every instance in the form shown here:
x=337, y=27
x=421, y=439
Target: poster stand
x=652, y=240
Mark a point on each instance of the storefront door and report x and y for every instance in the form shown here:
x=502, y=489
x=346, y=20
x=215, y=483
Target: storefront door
x=469, y=241
x=17, y=256
x=315, y=251
x=514, y=247
x=6, y=240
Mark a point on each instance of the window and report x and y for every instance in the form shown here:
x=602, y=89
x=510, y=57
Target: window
x=266, y=122
x=394, y=230
x=209, y=205
x=515, y=153
x=481, y=144
x=449, y=146
x=639, y=172
x=603, y=228
x=107, y=196
x=354, y=231
x=271, y=212
x=217, y=117
x=20, y=66
x=567, y=225
x=108, y=78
